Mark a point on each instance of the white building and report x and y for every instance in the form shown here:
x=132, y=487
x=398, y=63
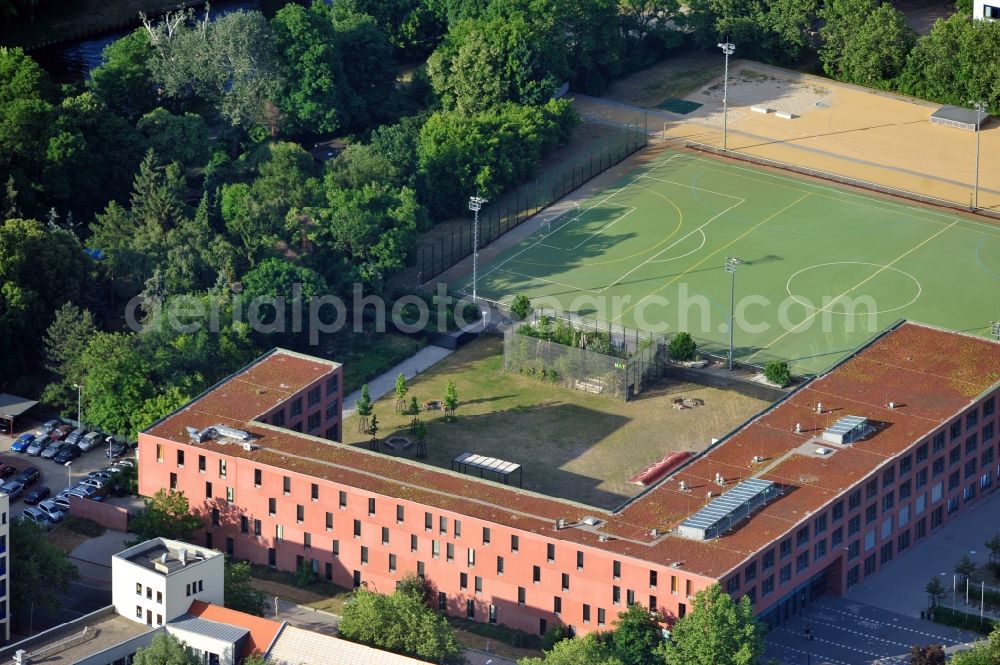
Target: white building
x=986, y=9
x=154, y=582
x=4, y=568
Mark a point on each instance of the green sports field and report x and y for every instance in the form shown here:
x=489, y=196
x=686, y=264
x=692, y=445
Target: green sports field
x=824, y=269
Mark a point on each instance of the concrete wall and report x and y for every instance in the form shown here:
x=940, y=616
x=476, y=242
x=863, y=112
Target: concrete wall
x=108, y=516
x=593, y=585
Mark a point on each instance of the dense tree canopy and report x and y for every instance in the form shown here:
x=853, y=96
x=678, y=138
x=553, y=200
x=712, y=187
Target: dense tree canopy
x=40, y=571
x=165, y=649
x=717, y=631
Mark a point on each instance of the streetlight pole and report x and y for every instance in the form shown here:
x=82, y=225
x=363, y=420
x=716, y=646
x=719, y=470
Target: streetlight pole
x=79, y=401
x=980, y=107
x=69, y=474
x=731, y=263
x=727, y=48
x=475, y=204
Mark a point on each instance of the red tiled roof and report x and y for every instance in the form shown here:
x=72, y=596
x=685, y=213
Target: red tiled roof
x=262, y=631
x=930, y=374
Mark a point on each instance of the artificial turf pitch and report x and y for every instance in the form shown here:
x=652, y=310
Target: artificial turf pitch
x=824, y=268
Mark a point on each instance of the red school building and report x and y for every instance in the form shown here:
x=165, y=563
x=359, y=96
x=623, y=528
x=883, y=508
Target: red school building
x=798, y=502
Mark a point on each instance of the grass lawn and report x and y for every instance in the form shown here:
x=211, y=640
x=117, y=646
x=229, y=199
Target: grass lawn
x=671, y=79
x=368, y=354
x=824, y=268
x=571, y=444
x=320, y=594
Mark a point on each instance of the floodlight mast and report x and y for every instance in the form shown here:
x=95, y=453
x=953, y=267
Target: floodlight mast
x=730, y=267
x=475, y=204
x=728, y=48
x=980, y=107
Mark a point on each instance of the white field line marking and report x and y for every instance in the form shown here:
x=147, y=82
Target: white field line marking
x=671, y=245
x=550, y=281
x=601, y=202
x=865, y=200
x=704, y=239
x=691, y=187
x=603, y=229
x=816, y=313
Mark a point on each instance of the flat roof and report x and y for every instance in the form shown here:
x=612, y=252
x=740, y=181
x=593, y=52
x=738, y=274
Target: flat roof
x=166, y=556
x=961, y=114
x=208, y=628
x=296, y=646
x=931, y=374
x=14, y=406
x=104, y=630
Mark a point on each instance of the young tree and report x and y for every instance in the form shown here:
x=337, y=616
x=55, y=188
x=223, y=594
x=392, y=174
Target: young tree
x=637, y=635
x=41, y=570
x=682, y=347
x=256, y=659
x=521, y=306
x=373, y=428
x=717, y=631
x=400, y=622
x=401, y=390
x=165, y=649
x=587, y=649
x=777, y=372
x=935, y=591
x=239, y=592
x=929, y=655
x=363, y=408
x=166, y=515
x=450, y=400
x=964, y=569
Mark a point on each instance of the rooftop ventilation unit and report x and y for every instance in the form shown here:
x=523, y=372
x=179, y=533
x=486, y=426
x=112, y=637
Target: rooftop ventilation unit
x=591, y=521
x=848, y=430
x=217, y=431
x=725, y=512
x=822, y=450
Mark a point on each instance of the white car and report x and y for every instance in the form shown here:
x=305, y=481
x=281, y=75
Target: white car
x=96, y=482
x=61, y=502
x=52, y=510
x=125, y=462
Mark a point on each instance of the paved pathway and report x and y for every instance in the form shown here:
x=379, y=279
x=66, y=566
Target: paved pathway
x=386, y=382
x=837, y=631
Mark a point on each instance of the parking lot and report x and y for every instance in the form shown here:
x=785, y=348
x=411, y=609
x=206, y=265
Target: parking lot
x=56, y=477
x=837, y=631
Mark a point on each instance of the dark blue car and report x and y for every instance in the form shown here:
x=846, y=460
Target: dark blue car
x=21, y=443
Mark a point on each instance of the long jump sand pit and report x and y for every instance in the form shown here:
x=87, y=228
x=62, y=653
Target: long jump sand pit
x=843, y=129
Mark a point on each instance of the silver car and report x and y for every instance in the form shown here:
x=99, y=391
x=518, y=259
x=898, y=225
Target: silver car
x=75, y=436
x=38, y=445
x=32, y=514
x=50, y=450
x=92, y=440
x=52, y=510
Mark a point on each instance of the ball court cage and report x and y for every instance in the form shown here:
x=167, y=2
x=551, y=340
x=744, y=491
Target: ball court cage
x=603, y=358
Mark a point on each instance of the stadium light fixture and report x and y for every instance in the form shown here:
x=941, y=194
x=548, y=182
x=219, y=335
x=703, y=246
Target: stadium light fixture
x=475, y=204
x=731, y=263
x=728, y=48
x=980, y=107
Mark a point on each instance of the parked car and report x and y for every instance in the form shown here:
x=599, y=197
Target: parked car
x=103, y=476
x=91, y=440
x=61, y=502
x=116, y=450
x=21, y=443
x=76, y=435
x=52, y=510
x=28, y=476
x=86, y=492
x=37, y=446
x=12, y=488
x=6, y=471
x=112, y=471
x=32, y=497
x=68, y=453
x=50, y=450
x=97, y=483
x=49, y=425
x=60, y=432
x=125, y=462
x=30, y=514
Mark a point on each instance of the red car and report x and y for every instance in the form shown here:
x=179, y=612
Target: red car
x=6, y=471
x=61, y=432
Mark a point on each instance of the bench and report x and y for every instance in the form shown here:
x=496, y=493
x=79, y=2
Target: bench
x=784, y=114
x=760, y=109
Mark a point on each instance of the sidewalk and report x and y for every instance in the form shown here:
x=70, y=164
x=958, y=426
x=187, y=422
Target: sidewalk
x=386, y=382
